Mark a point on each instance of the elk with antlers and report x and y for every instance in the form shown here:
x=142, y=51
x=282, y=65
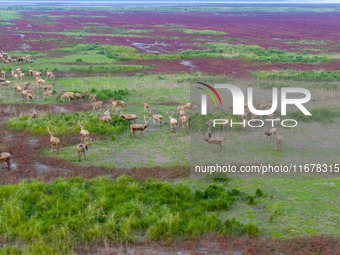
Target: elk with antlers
x=6, y=157
x=173, y=122
x=155, y=117
x=213, y=140
x=55, y=141
x=139, y=127
x=81, y=150
x=84, y=134
x=129, y=117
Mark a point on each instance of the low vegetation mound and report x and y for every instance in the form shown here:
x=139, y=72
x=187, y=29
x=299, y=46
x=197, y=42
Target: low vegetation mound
x=59, y=216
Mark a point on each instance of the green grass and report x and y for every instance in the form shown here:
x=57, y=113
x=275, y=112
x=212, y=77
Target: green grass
x=199, y=32
x=312, y=75
x=44, y=40
x=5, y=24
x=307, y=42
x=58, y=217
x=291, y=207
x=169, y=25
x=66, y=124
x=10, y=15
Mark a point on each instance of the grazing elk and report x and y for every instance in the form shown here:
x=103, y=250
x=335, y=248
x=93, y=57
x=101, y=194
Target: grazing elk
x=6, y=84
x=213, y=140
x=66, y=95
x=129, y=117
x=84, y=134
x=104, y=118
x=139, y=127
x=185, y=121
x=173, y=122
x=79, y=96
x=146, y=106
x=28, y=94
x=55, y=141
x=49, y=87
x=81, y=150
x=115, y=104
x=96, y=105
x=6, y=157
x=270, y=132
x=155, y=117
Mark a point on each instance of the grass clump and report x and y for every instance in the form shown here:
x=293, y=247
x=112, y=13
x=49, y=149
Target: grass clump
x=199, y=32
x=105, y=94
x=318, y=115
x=58, y=216
x=311, y=75
x=66, y=124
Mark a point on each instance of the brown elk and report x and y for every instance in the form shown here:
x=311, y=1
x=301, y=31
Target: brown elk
x=115, y=104
x=185, y=121
x=48, y=93
x=79, y=96
x=3, y=73
x=55, y=141
x=129, y=117
x=185, y=105
x=28, y=94
x=49, y=87
x=173, y=122
x=6, y=157
x=96, y=105
x=83, y=132
x=146, y=106
x=81, y=150
x=6, y=83
x=139, y=127
x=92, y=97
x=33, y=113
x=66, y=95
x=270, y=132
x=279, y=142
x=155, y=117
x=213, y=140
x=104, y=118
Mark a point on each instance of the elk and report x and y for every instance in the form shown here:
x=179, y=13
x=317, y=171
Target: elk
x=92, y=97
x=26, y=94
x=33, y=113
x=117, y=103
x=173, y=122
x=104, y=118
x=81, y=150
x=6, y=83
x=51, y=77
x=55, y=141
x=80, y=96
x=31, y=72
x=18, y=88
x=49, y=87
x=279, y=142
x=213, y=140
x=146, y=106
x=3, y=73
x=47, y=94
x=155, y=117
x=66, y=95
x=185, y=121
x=83, y=133
x=6, y=157
x=96, y=105
x=21, y=75
x=107, y=112
x=139, y=127
x=40, y=81
x=185, y=105
x=270, y=132
x=129, y=117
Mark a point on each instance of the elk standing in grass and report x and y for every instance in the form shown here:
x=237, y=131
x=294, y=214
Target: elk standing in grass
x=279, y=142
x=270, y=132
x=55, y=141
x=155, y=117
x=146, y=106
x=185, y=121
x=6, y=157
x=105, y=118
x=139, y=127
x=96, y=105
x=48, y=87
x=173, y=122
x=81, y=150
x=129, y=117
x=84, y=134
x=66, y=95
x=213, y=140
x=115, y=104
x=79, y=96
x=92, y=97
x=48, y=93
